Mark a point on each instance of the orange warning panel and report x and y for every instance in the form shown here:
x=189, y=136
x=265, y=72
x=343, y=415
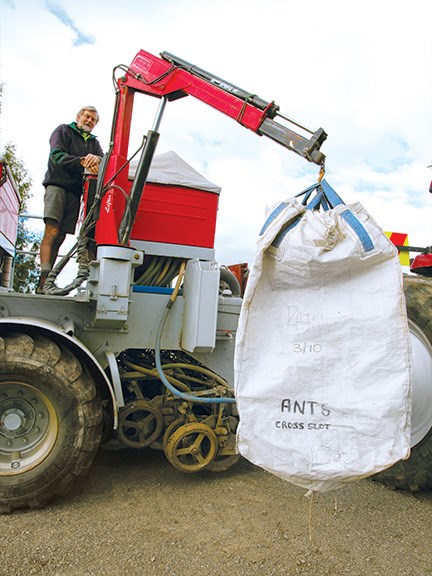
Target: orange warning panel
x=400, y=239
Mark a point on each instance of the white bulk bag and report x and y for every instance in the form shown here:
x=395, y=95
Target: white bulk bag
x=322, y=360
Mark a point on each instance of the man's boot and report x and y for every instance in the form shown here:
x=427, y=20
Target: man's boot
x=42, y=278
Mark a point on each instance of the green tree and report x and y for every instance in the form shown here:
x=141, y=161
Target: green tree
x=28, y=242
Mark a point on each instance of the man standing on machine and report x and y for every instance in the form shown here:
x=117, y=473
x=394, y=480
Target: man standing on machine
x=73, y=149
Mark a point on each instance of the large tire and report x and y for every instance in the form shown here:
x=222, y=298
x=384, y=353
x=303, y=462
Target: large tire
x=50, y=420
x=415, y=473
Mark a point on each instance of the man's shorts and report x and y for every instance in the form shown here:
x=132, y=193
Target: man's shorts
x=63, y=207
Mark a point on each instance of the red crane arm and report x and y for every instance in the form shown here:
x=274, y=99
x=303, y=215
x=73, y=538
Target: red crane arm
x=173, y=78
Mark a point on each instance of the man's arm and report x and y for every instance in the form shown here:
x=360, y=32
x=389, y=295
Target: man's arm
x=91, y=161
x=60, y=142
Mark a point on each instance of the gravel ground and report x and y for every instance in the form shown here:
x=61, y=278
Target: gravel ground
x=135, y=515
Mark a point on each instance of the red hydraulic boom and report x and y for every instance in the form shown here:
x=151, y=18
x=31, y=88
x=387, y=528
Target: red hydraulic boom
x=174, y=77
x=170, y=78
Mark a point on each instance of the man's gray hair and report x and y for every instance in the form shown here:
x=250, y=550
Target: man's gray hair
x=90, y=109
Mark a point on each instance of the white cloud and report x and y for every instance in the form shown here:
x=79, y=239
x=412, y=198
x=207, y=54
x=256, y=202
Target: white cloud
x=80, y=37
x=361, y=71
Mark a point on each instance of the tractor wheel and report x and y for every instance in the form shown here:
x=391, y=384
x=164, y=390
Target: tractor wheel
x=140, y=424
x=50, y=420
x=415, y=473
x=170, y=429
x=191, y=447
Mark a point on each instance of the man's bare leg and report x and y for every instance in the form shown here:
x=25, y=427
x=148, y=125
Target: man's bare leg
x=49, y=248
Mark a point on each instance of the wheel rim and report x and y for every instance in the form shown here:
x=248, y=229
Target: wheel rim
x=192, y=447
x=28, y=427
x=170, y=430
x=222, y=463
x=224, y=458
x=141, y=424
x=421, y=416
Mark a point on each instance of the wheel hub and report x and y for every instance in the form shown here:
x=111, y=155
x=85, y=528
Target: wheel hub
x=28, y=427
x=191, y=447
x=140, y=424
x=13, y=420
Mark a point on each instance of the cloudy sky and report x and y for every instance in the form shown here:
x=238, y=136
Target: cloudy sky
x=360, y=70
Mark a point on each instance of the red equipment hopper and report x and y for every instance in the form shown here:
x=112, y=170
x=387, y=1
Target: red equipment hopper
x=178, y=205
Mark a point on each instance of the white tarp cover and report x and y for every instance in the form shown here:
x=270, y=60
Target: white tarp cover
x=169, y=168
x=323, y=359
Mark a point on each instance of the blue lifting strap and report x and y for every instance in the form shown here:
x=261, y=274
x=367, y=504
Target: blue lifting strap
x=325, y=198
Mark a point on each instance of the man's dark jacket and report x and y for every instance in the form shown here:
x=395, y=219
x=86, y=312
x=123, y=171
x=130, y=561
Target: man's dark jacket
x=68, y=146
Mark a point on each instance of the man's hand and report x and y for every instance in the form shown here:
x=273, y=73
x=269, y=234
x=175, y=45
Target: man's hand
x=91, y=163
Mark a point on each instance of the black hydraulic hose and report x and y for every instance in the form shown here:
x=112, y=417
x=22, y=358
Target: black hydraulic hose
x=140, y=179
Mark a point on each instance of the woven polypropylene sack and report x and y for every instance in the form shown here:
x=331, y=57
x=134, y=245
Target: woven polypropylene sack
x=322, y=360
